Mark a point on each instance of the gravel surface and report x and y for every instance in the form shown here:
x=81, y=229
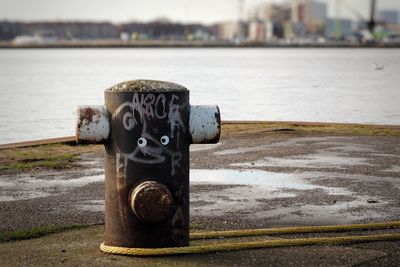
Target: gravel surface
x=269, y=179
x=251, y=180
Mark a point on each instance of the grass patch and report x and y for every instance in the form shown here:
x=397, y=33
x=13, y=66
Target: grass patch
x=195, y=226
x=63, y=156
x=327, y=128
x=51, y=162
x=48, y=230
x=51, y=156
x=37, y=232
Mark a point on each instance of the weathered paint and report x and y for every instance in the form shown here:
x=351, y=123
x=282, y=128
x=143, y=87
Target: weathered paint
x=204, y=124
x=149, y=142
x=152, y=202
x=147, y=159
x=93, y=124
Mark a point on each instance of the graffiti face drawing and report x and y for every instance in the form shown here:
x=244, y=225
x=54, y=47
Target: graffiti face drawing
x=152, y=123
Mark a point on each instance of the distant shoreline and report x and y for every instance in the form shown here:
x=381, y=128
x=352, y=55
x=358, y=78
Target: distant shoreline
x=184, y=44
x=235, y=126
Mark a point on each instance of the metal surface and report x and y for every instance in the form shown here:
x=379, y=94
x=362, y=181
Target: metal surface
x=204, y=124
x=147, y=138
x=152, y=202
x=149, y=142
x=93, y=125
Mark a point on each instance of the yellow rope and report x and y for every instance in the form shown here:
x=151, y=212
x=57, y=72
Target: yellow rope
x=246, y=245
x=229, y=246
x=294, y=230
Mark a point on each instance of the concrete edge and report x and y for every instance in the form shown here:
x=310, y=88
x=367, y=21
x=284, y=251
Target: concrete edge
x=72, y=139
x=305, y=123
x=65, y=139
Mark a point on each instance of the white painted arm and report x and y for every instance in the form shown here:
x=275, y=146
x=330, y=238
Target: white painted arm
x=93, y=125
x=204, y=124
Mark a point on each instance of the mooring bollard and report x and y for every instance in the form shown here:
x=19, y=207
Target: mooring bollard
x=147, y=127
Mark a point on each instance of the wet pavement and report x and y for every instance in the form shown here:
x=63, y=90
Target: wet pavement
x=263, y=179
x=246, y=181
x=297, y=180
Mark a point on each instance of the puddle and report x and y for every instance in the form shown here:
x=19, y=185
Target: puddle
x=257, y=185
x=242, y=150
x=88, y=156
x=23, y=182
x=386, y=155
x=293, y=142
x=394, y=168
x=201, y=147
x=339, y=213
x=330, y=152
x=90, y=160
x=7, y=196
x=88, y=164
x=92, y=206
x=322, y=159
x=255, y=194
x=262, y=195
x=348, y=147
x=28, y=187
x=250, y=177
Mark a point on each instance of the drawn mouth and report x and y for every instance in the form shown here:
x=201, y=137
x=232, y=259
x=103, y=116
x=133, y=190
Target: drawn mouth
x=149, y=155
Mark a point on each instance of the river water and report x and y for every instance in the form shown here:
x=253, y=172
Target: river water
x=40, y=88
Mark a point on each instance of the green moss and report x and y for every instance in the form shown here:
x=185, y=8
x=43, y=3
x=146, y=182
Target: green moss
x=37, y=232
x=52, y=156
x=194, y=226
x=32, y=161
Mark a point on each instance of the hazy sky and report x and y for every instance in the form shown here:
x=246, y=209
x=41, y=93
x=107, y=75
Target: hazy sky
x=206, y=11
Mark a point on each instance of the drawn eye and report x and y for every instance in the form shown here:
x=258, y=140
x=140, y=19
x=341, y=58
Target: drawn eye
x=142, y=142
x=164, y=140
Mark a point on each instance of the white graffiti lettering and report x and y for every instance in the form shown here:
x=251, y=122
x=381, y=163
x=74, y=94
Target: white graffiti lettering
x=176, y=159
x=121, y=164
x=149, y=149
x=150, y=107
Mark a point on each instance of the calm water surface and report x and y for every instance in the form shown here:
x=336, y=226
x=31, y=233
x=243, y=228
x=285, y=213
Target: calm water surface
x=40, y=88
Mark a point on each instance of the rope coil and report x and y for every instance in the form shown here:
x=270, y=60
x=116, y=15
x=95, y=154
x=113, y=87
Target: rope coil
x=234, y=246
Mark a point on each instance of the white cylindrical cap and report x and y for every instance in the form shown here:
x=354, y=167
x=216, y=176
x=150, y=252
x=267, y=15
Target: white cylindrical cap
x=204, y=124
x=93, y=125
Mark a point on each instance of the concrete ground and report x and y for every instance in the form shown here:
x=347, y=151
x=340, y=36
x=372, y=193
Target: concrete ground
x=249, y=180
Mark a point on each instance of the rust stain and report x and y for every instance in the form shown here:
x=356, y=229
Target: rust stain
x=152, y=202
x=86, y=116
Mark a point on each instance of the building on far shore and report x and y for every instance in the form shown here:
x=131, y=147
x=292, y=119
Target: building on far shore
x=312, y=14
x=388, y=16
x=260, y=31
x=288, y=20
x=285, y=22
x=59, y=30
x=339, y=28
x=234, y=31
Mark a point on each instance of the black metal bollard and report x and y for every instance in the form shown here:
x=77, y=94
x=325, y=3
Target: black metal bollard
x=147, y=127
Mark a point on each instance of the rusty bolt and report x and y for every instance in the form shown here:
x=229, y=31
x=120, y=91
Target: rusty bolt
x=152, y=202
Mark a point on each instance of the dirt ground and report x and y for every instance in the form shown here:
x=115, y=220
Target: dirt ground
x=259, y=177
